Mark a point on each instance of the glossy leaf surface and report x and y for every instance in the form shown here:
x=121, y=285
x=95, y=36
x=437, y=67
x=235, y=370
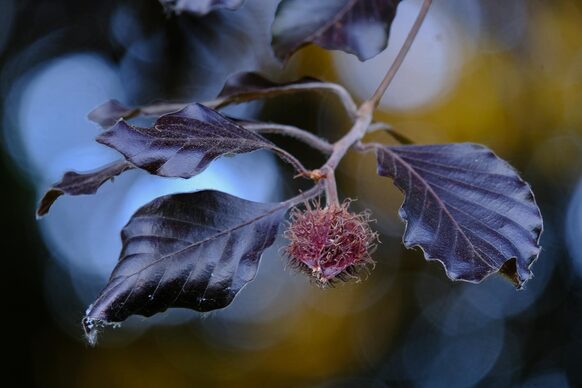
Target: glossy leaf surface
x=194, y=250
x=182, y=144
x=466, y=208
x=359, y=27
x=74, y=183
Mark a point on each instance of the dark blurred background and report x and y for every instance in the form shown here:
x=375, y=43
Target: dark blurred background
x=507, y=74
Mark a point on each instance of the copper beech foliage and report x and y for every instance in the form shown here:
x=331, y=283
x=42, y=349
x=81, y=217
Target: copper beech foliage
x=359, y=27
x=466, y=208
x=193, y=250
x=463, y=206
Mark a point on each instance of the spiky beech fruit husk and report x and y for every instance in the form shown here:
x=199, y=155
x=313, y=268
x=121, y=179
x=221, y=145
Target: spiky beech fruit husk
x=330, y=243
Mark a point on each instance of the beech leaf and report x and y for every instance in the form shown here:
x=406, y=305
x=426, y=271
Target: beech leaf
x=74, y=183
x=359, y=27
x=182, y=144
x=200, y=7
x=466, y=208
x=193, y=250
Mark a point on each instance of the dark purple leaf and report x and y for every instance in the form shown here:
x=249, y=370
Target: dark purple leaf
x=74, y=183
x=182, y=144
x=200, y=7
x=109, y=112
x=194, y=250
x=466, y=208
x=359, y=27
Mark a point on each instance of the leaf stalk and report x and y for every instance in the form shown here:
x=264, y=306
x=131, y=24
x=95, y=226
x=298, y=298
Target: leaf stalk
x=364, y=114
x=377, y=96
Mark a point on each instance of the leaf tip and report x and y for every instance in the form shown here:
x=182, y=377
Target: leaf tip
x=47, y=201
x=510, y=271
x=108, y=113
x=90, y=327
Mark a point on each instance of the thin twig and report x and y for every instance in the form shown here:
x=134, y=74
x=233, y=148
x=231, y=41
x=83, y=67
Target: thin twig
x=305, y=196
x=297, y=133
x=220, y=102
x=364, y=113
x=293, y=161
x=379, y=126
x=355, y=134
x=330, y=185
x=345, y=97
x=400, y=138
x=316, y=86
x=362, y=116
x=375, y=99
x=341, y=147
x=365, y=147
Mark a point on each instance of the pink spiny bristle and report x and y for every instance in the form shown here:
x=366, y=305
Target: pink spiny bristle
x=330, y=243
